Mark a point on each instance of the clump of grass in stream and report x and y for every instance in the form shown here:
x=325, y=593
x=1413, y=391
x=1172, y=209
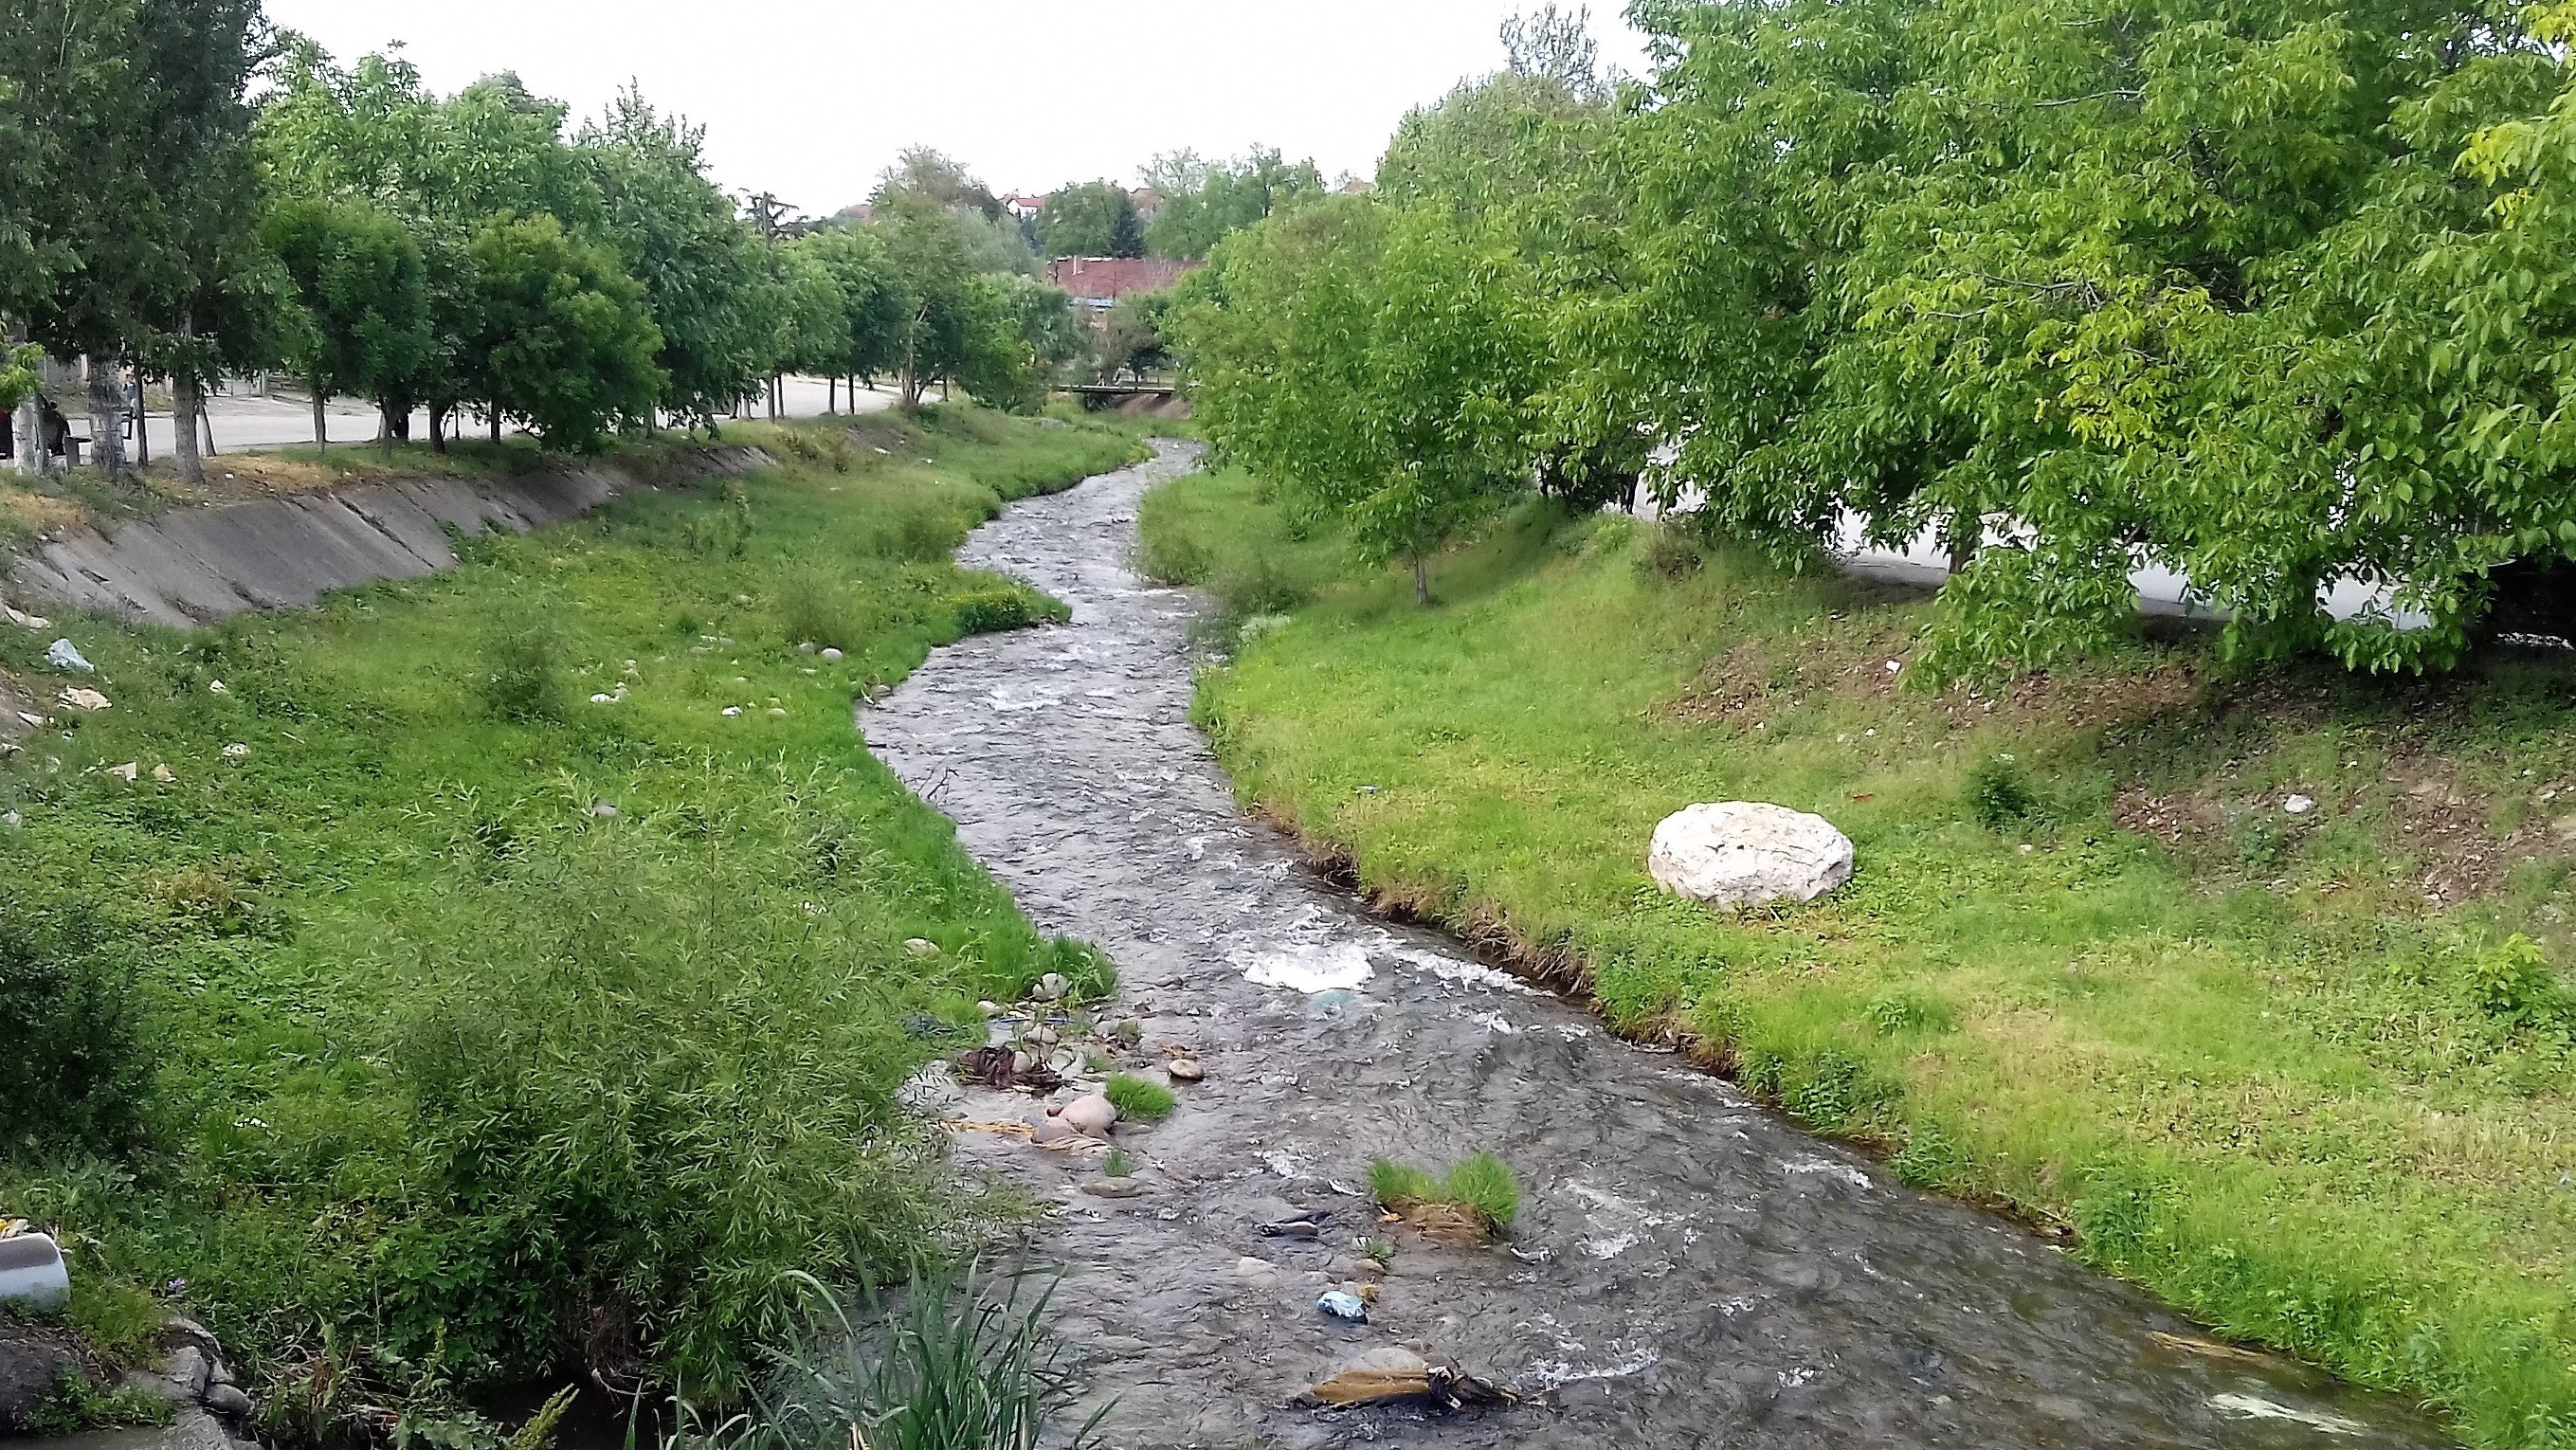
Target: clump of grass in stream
x=492, y=1081
x=949, y=1366
x=2262, y=1060
x=1117, y=1164
x=1480, y=1186
x=1140, y=1098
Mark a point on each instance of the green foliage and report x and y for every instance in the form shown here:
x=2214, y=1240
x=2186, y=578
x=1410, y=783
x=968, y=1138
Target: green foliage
x=2272, y=299
x=2257, y=1087
x=949, y=1366
x=1379, y=363
x=75, y=1405
x=1117, y=1164
x=2513, y=983
x=489, y=1082
x=1139, y=1098
x=361, y=314
x=991, y=610
x=1205, y=201
x=75, y=1052
x=1091, y=219
x=117, y=1319
x=18, y=376
x=1479, y=1183
x=522, y=678
x=564, y=339
x=1998, y=793
x=700, y=267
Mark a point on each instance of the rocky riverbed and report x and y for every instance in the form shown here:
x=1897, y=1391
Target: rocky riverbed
x=1686, y=1269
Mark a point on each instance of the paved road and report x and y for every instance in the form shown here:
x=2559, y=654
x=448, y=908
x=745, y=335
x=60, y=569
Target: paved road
x=252, y=422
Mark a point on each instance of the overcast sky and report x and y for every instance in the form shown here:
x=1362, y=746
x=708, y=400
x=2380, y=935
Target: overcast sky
x=812, y=98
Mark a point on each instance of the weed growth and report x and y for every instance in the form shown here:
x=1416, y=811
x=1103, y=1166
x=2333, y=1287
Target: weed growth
x=1135, y=1097
x=1481, y=1184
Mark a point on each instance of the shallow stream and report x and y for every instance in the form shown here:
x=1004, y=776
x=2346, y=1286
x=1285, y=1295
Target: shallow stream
x=1687, y=1269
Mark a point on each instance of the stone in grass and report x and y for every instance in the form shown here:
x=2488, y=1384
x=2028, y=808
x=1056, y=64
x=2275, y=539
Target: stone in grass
x=1745, y=853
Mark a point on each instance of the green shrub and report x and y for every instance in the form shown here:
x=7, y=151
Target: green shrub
x=522, y=677
x=1135, y=1097
x=626, y=1108
x=1999, y=794
x=1675, y=548
x=75, y=1064
x=987, y=611
x=816, y=606
x=1261, y=584
x=2513, y=983
x=1173, y=557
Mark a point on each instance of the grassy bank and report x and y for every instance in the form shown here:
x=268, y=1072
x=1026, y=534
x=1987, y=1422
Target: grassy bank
x=512, y=970
x=2305, y=1074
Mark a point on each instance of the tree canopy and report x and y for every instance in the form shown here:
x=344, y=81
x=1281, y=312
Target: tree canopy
x=1093, y=219
x=2267, y=296
x=1205, y=200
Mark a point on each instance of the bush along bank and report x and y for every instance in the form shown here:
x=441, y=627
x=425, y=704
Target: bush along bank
x=2243, y=984
x=510, y=972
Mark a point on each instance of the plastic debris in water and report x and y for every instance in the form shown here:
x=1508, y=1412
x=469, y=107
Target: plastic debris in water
x=1343, y=1306
x=62, y=654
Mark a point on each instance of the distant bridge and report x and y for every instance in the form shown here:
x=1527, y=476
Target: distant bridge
x=1102, y=397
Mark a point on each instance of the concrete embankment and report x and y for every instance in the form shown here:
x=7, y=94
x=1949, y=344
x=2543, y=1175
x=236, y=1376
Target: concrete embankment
x=193, y=566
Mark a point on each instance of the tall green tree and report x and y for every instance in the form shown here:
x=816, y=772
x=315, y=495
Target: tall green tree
x=1204, y=200
x=359, y=314
x=701, y=265
x=567, y=343
x=1380, y=362
x=1091, y=219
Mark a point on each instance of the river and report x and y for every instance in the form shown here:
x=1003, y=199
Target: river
x=1688, y=1269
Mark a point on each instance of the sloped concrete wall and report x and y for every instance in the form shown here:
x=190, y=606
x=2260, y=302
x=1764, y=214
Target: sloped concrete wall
x=194, y=566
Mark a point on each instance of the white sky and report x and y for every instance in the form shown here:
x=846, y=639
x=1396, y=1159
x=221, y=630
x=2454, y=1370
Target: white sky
x=812, y=98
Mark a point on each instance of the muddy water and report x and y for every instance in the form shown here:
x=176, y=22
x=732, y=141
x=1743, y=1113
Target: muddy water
x=1687, y=1270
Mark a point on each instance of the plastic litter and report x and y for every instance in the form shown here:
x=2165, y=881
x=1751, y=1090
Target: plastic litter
x=62, y=654
x=1302, y=1226
x=32, y=1271
x=1343, y=1306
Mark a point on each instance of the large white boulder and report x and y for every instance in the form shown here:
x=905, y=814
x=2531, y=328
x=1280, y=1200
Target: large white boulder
x=1744, y=853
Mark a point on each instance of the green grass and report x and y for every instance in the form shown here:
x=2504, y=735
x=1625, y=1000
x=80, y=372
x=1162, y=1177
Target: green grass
x=1480, y=1183
x=953, y=1361
x=2291, y=1072
x=74, y=1405
x=1138, y=1098
x=471, y=1030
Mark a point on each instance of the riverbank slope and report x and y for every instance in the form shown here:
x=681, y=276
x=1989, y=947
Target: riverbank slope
x=508, y=973
x=2243, y=981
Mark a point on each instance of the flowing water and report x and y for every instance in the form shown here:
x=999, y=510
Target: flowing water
x=1687, y=1268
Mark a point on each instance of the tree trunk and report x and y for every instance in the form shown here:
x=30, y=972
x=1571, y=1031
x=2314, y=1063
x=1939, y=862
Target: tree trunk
x=1967, y=533
x=206, y=421
x=1421, y=581
x=107, y=418
x=142, y=425
x=321, y=425
x=438, y=427
x=831, y=395
x=28, y=422
x=186, y=398
x=495, y=416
